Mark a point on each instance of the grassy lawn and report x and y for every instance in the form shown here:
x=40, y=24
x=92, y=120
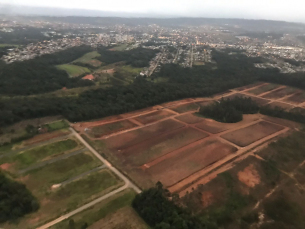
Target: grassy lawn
x=88, y=58
x=105, y=209
x=121, y=47
x=57, y=125
x=8, y=45
x=60, y=171
x=73, y=70
x=32, y=156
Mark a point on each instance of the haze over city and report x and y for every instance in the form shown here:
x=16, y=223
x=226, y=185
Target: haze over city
x=259, y=9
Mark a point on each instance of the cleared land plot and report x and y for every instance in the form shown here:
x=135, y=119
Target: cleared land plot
x=190, y=118
x=259, y=101
x=249, y=86
x=176, y=103
x=153, y=117
x=263, y=88
x=297, y=98
x=102, y=130
x=60, y=171
x=88, y=58
x=188, y=161
x=298, y=110
x=54, y=203
x=185, y=108
x=212, y=126
x=284, y=106
x=138, y=112
x=73, y=70
x=45, y=137
x=125, y=140
x=251, y=134
x=280, y=93
x=151, y=149
x=29, y=157
x=115, y=212
x=57, y=125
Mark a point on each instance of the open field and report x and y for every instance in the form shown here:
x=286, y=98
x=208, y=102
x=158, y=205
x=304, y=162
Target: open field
x=121, y=47
x=56, y=125
x=263, y=88
x=297, y=98
x=184, y=163
x=253, y=133
x=115, y=212
x=190, y=118
x=153, y=117
x=249, y=86
x=185, y=108
x=8, y=45
x=73, y=70
x=88, y=58
x=54, y=203
x=284, y=106
x=280, y=93
x=29, y=157
x=45, y=137
x=99, y=131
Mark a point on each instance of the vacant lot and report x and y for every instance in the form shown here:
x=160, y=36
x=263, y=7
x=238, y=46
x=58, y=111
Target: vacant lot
x=29, y=157
x=212, y=126
x=54, y=203
x=251, y=134
x=185, y=107
x=99, y=131
x=281, y=92
x=60, y=171
x=297, y=98
x=89, y=58
x=189, y=161
x=263, y=88
x=44, y=137
x=151, y=149
x=115, y=212
x=153, y=117
x=190, y=118
x=57, y=125
x=73, y=70
x=125, y=140
x=284, y=106
x=249, y=86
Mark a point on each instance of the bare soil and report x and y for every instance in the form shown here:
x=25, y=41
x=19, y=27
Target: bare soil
x=284, y=106
x=251, y=134
x=297, y=98
x=188, y=161
x=280, y=93
x=249, y=176
x=153, y=117
x=189, y=118
x=185, y=108
x=45, y=137
x=249, y=86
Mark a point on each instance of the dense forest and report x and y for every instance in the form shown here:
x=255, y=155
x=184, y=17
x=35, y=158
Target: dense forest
x=15, y=200
x=229, y=110
x=232, y=71
x=138, y=57
x=40, y=75
x=154, y=206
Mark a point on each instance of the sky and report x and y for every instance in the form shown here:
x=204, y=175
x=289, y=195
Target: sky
x=291, y=10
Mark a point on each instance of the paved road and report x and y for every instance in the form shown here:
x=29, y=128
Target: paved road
x=43, y=163
x=78, y=177
x=82, y=208
x=35, y=145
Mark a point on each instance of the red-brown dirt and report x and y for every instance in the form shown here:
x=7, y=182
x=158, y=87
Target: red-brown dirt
x=153, y=117
x=102, y=130
x=250, y=86
x=296, y=98
x=185, y=108
x=160, y=145
x=249, y=176
x=280, y=93
x=188, y=161
x=131, y=138
x=45, y=137
x=253, y=133
x=189, y=118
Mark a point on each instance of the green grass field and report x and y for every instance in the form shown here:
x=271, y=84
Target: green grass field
x=60, y=171
x=104, y=209
x=32, y=156
x=57, y=125
x=89, y=58
x=73, y=70
x=8, y=45
x=121, y=47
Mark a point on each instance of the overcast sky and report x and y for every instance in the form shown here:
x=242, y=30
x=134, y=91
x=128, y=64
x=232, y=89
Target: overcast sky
x=288, y=10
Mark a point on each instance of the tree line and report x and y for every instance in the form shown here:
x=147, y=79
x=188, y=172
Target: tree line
x=15, y=200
